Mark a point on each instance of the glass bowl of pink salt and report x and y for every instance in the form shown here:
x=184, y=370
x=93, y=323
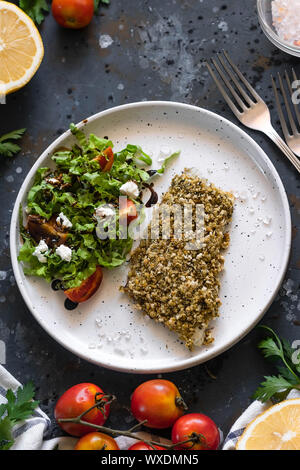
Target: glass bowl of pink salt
x=280, y=21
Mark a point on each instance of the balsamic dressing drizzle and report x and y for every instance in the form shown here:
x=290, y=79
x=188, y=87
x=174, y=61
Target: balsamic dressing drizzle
x=69, y=305
x=153, y=197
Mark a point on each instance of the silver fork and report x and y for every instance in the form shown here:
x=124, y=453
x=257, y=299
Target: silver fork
x=252, y=111
x=293, y=139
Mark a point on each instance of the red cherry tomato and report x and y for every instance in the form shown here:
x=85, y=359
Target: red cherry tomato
x=199, y=426
x=75, y=401
x=106, y=159
x=96, y=441
x=159, y=402
x=74, y=14
x=144, y=446
x=129, y=211
x=87, y=288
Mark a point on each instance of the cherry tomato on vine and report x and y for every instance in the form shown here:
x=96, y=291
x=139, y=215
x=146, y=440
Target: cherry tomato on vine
x=75, y=401
x=73, y=14
x=96, y=441
x=159, y=402
x=198, y=426
x=143, y=446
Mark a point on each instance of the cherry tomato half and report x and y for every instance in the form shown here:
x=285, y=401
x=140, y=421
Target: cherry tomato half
x=199, y=426
x=87, y=288
x=129, y=211
x=159, y=402
x=143, y=446
x=106, y=159
x=96, y=441
x=74, y=14
x=75, y=401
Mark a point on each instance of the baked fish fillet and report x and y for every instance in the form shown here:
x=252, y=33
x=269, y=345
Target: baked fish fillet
x=177, y=286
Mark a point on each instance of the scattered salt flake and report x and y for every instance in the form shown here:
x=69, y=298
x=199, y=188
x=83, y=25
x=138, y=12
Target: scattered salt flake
x=269, y=234
x=3, y=275
x=251, y=210
x=267, y=220
x=223, y=26
x=2, y=299
x=19, y=170
x=105, y=41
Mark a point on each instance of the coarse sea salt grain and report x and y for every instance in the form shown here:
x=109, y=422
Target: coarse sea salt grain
x=286, y=20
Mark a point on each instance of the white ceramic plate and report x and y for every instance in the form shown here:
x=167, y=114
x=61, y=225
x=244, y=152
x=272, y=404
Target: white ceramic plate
x=107, y=330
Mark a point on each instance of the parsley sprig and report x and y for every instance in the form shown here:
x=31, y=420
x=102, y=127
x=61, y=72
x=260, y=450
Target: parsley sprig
x=278, y=387
x=36, y=9
x=8, y=148
x=97, y=4
x=19, y=406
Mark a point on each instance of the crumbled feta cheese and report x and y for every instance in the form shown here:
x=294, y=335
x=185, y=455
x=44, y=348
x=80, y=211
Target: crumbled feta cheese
x=130, y=189
x=103, y=212
x=63, y=220
x=64, y=252
x=53, y=181
x=40, y=249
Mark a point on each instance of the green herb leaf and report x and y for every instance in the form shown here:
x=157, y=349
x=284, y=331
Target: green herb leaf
x=97, y=4
x=7, y=148
x=272, y=387
x=36, y=9
x=19, y=407
x=288, y=379
x=167, y=161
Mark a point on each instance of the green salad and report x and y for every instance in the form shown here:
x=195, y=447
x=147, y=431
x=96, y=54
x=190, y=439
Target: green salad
x=60, y=235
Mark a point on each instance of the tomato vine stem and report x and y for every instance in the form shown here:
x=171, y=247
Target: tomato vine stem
x=115, y=432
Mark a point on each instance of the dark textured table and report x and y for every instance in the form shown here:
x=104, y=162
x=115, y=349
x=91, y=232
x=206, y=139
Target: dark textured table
x=156, y=54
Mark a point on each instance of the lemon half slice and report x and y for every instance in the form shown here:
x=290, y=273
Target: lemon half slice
x=21, y=48
x=278, y=428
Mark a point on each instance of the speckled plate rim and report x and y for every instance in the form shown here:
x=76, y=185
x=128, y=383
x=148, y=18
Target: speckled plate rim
x=185, y=363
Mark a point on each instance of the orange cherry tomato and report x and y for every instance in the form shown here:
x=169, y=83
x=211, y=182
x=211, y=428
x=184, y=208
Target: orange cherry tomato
x=129, y=211
x=87, y=288
x=74, y=14
x=75, y=401
x=159, y=402
x=143, y=446
x=96, y=441
x=193, y=425
x=106, y=159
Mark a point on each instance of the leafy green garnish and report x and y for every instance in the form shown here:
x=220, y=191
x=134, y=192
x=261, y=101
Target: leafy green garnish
x=167, y=161
x=97, y=4
x=19, y=407
x=8, y=148
x=278, y=387
x=35, y=9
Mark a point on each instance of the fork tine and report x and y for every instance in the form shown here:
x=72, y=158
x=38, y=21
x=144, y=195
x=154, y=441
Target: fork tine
x=223, y=92
x=287, y=105
x=241, y=76
x=279, y=109
x=228, y=84
x=291, y=93
x=235, y=81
